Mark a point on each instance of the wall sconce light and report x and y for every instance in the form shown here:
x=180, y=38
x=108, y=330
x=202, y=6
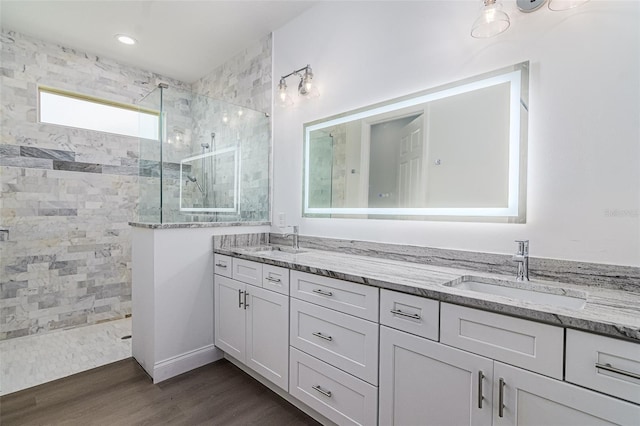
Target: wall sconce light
x=493, y=21
x=306, y=87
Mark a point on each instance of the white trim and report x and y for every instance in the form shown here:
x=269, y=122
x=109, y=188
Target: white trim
x=187, y=361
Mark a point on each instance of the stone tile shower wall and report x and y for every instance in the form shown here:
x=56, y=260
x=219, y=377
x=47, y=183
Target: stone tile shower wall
x=244, y=79
x=67, y=194
x=248, y=131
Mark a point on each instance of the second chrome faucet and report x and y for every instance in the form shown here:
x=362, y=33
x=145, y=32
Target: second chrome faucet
x=294, y=235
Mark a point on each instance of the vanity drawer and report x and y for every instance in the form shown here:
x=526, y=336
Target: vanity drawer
x=344, y=296
x=342, y=340
x=247, y=271
x=413, y=314
x=586, y=352
x=335, y=394
x=527, y=344
x=275, y=278
x=222, y=265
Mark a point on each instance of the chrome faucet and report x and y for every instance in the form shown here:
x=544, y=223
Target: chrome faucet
x=294, y=236
x=522, y=258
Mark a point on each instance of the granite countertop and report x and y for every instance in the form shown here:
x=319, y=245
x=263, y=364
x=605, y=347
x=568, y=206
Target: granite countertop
x=182, y=225
x=611, y=312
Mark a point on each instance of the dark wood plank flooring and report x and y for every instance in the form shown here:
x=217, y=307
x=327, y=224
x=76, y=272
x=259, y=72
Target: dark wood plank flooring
x=122, y=394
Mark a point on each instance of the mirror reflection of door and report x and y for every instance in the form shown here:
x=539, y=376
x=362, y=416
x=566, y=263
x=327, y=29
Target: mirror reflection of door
x=397, y=165
x=411, y=164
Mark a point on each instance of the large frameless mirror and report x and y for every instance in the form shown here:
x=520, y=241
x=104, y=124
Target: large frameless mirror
x=455, y=152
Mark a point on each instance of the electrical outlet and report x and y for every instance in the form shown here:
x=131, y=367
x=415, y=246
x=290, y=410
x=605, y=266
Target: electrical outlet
x=282, y=220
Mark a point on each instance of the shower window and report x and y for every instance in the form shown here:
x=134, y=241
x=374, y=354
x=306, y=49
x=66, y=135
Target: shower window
x=85, y=112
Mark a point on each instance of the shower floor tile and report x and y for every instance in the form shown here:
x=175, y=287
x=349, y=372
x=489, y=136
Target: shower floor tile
x=32, y=360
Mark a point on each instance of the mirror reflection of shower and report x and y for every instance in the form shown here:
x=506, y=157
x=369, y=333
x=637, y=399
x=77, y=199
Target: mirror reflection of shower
x=195, y=180
x=206, y=170
x=210, y=179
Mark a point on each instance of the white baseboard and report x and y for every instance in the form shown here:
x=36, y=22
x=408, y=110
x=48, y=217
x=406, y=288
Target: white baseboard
x=187, y=361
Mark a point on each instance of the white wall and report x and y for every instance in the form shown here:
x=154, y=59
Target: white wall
x=584, y=155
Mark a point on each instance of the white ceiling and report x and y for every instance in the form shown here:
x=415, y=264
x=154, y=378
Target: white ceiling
x=182, y=39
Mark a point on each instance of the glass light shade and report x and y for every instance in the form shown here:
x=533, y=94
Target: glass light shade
x=558, y=5
x=307, y=87
x=492, y=21
x=284, y=100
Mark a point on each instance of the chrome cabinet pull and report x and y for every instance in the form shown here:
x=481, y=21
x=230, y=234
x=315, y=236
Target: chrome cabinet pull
x=322, y=336
x=322, y=292
x=608, y=367
x=322, y=391
x=273, y=280
x=240, y=298
x=480, y=397
x=405, y=314
x=221, y=265
x=246, y=293
x=501, y=398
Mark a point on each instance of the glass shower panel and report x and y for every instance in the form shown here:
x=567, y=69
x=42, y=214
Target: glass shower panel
x=215, y=162
x=148, y=207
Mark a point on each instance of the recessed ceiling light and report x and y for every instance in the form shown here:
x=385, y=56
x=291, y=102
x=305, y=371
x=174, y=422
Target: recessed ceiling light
x=125, y=39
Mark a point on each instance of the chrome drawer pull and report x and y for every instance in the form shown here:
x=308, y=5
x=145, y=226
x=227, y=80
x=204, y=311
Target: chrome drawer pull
x=240, y=298
x=221, y=265
x=322, y=336
x=501, y=398
x=405, y=314
x=322, y=292
x=322, y=391
x=480, y=397
x=273, y=280
x=608, y=367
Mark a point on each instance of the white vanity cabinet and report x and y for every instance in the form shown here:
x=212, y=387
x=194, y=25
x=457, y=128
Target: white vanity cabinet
x=252, y=324
x=358, y=355
x=604, y=364
x=531, y=399
x=427, y=383
x=334, y=348
x=423, y=382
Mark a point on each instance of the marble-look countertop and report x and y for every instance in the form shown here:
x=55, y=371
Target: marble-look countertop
x=610, y=312
x=194, y=224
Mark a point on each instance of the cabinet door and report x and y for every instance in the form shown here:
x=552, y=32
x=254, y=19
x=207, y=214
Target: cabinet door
x=427, y=383
x=268, y=334
x=532, y=399
x=230, y=316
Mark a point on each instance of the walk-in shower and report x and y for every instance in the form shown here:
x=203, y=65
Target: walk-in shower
x=210, y=164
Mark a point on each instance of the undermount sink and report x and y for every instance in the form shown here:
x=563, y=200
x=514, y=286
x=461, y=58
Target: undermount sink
x=282, y=249
x=522, y=290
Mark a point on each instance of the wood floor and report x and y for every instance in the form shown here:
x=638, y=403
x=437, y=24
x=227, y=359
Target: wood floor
x=122, y=394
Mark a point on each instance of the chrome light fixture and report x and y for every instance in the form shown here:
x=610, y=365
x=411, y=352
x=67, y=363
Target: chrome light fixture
x=306, y=87
x=493, y=20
